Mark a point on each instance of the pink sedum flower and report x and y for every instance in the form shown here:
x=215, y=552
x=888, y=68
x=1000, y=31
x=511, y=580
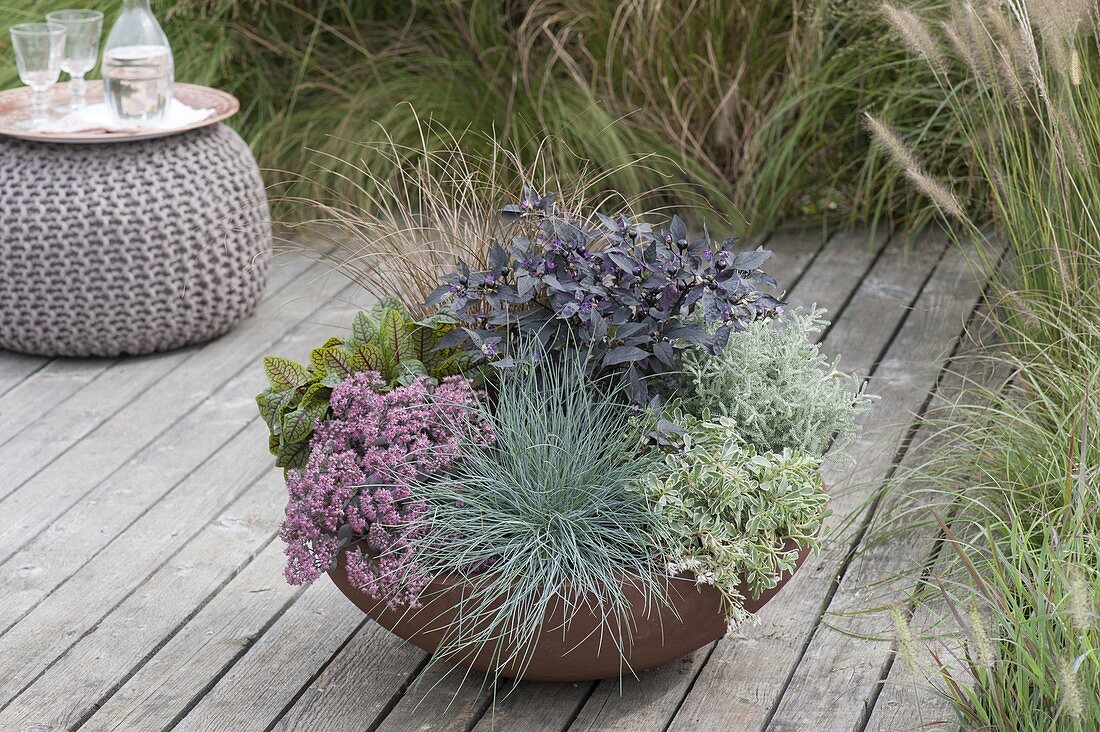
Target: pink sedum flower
x=360, y=464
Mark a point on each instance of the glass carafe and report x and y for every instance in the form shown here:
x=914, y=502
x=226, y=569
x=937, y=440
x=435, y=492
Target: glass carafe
x=137, y=66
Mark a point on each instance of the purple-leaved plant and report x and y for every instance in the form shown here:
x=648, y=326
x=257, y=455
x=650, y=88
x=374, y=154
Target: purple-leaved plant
x=630, y=297
x=355, y=484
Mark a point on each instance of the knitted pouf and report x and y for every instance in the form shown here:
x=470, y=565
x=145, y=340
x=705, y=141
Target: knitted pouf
x=129, y=247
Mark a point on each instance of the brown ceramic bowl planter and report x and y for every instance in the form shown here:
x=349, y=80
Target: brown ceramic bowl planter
x=576, y=648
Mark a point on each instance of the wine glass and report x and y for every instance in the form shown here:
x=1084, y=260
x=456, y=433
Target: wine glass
x=82, y=29
x=38, y=51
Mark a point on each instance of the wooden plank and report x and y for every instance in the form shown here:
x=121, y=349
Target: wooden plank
x=841, y=669
x=15, y=367
x=40, y=443
x=181, y=671
x=838, y=270
x=93, y=590
x=441, y=699
x=535, y=707
x=883, y=300
x=79, y=604
x=353, y=696
x=749, y=670
x=35, y=448
x=257, y=689
x=113, y=442
x=644, y=703
x=909, y=704
x=794, y=252
x=55, y=382
x=53, y=556
x=905, y=702
x=66, y=692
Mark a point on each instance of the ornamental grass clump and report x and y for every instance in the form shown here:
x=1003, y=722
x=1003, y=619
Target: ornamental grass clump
x=1008, y=480
x=551, y=508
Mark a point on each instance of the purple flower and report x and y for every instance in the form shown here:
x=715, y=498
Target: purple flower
x=357, y=475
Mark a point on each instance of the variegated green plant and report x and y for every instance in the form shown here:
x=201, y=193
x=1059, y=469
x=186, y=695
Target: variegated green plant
x=384, y=339
x=732, y=508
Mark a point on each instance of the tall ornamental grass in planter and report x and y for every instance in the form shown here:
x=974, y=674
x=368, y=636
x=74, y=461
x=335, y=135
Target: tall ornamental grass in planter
x=525, y=478
x=1014, y=489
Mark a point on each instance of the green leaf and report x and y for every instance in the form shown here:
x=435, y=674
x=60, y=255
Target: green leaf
x=388, y=304
x=268, y=402
x=363, y=329
x=396, y=343
x=334, y=341
x=408, y=371
x=273, y=443
x=371, y=357
x=423, y=340
x=316, y=394
x=298, y=424
x=317, y=363
x=283, y=373
x=438, y=321
x=318, y=409
x=293, y=455
x=338, y=361
x=455, y=364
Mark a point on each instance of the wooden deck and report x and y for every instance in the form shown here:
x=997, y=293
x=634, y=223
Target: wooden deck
x=140, y=572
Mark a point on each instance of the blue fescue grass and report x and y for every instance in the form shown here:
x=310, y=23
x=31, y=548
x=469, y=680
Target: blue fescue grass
x=547, y=516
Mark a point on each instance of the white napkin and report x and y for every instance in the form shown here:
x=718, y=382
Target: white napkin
x=98, y=117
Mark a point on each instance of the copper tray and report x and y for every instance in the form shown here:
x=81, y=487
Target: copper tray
x=15, y=106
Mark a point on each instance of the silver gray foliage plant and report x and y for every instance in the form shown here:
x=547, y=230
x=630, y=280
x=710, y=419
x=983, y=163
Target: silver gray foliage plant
x=772, y=380
x=549, y=513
